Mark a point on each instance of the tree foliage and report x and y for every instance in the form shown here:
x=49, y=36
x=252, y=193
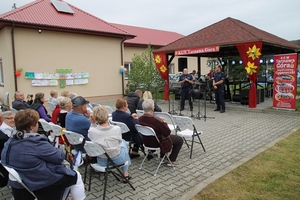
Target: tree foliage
x=143, y=74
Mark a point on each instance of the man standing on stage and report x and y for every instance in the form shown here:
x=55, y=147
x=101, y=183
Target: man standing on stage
x=218, y=83
x=186, y=81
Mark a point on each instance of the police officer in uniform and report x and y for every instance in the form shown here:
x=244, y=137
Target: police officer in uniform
x=186, y=81
x=218, y=83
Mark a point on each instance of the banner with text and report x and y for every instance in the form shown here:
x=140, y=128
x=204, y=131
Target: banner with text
x=285, y=81
x=197, y=50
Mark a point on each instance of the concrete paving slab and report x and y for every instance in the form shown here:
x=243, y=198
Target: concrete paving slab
x=230, y=139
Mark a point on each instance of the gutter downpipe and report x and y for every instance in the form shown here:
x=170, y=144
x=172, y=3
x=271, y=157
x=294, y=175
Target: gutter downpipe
x=14, y=54
x=122, y=60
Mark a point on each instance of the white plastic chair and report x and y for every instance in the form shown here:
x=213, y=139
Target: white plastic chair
x=139, y=112
x=109, y=110
x=51, y=106
x=14, y=176
x=47, y=127
x=185, y=128
x=168, y=118
x=148, y=131
x=95, y=150
x=56, y=133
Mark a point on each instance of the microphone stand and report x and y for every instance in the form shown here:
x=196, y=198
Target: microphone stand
x=172, y=112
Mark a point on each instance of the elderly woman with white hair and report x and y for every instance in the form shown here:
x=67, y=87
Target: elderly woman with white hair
x=8, y=124
x=109, y=137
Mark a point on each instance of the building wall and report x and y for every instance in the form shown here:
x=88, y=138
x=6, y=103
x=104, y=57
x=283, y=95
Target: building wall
x=49, y=50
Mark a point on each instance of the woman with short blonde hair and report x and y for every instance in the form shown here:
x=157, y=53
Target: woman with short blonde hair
x=109, y=137
x=148, y=95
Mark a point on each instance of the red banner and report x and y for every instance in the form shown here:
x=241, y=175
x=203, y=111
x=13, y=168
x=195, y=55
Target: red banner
x=285, y=81
x=250, y=53
x=197, y=50
x=162, y=66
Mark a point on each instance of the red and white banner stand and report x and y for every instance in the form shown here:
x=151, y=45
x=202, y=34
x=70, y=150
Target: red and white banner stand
x=285, y=81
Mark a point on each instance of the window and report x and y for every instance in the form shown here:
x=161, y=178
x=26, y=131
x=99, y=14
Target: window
x=171, y=68
x=1, y=73
x=182, y=63
x=128, y=67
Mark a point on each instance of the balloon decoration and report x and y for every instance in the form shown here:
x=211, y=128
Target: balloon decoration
x=18, y=73
x=122, y=69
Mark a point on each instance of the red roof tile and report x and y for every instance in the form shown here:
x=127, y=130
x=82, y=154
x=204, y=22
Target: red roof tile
x=227, y=32
x=145, y=36
x=43, y=13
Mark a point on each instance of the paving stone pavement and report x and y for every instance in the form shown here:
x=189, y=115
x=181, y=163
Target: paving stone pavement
x=230, y=139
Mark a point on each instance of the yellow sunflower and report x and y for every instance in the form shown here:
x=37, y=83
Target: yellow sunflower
x=251, y=68
x=254, y=52
x=157, y=59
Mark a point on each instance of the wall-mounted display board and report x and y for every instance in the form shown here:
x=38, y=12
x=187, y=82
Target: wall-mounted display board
x=61, y=78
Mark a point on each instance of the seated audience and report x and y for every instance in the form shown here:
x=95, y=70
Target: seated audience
x=77, y=120
x=3, y=139
x=65, y=94
x=29, y=99
x=148, y=95
x=133, y=100
x=65, y=105
x=161, y=129
x=53, y=98
x=109, y=137
x=56, y=110
x=8, y=124
x=39, y=107
x=73, y=95
x=38, y=162
x=19, y=103
x=120, y=115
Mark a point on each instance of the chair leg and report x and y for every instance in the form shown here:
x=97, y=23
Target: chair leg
x=186, y=142
x=141, y=166
x=90, y=180
x=85, y=168
x=200, y=141
x=105, y=184
x=192, y=145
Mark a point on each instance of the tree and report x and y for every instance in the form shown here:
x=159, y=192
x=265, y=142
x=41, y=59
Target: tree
x=144, y=75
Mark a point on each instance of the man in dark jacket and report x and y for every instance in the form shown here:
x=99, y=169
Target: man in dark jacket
x=19, y=103
x=133, y=100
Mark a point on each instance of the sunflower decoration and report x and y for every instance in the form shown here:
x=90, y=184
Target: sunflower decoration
x=157, y=59
x=163, y=68
x=253, y=52
x=251, y=68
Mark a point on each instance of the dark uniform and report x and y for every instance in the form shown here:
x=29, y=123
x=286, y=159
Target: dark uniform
x=219, y=92
x=186, y=91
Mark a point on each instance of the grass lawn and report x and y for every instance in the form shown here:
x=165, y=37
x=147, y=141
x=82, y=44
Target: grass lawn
x=273, y=174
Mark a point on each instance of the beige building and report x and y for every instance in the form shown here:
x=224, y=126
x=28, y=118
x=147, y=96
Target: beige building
x=70, y=50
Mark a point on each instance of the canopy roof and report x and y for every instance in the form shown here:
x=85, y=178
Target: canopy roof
x=226, y=34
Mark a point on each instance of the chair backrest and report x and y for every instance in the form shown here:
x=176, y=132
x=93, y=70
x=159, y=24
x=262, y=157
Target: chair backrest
x=73, y=138
x=146, y=131
x=94, y=105
x=139, y=112
x=14, y=176
x=167, y=117
x=56, y=129
x=93, y=149
x=46, y=126
x=183, y=122
x=51, y=106
x=123, y=126
x=6, y=99
x=109, y=110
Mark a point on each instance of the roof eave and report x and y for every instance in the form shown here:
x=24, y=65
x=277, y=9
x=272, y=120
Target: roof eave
x=4, y=23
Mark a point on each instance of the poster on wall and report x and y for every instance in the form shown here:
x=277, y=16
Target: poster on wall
x=285, y=81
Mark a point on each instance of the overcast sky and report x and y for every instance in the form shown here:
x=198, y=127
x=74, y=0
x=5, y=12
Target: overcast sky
x=279, y=17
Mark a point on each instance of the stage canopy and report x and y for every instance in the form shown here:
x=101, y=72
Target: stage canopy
x=221, y=40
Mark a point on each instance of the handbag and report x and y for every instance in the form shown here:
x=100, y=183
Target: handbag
x=166, y=144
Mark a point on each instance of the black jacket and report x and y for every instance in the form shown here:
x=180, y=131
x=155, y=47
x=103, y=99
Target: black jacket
x=132, y=101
